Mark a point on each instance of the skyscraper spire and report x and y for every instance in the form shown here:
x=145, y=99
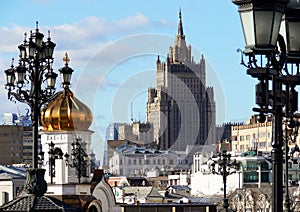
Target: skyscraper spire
x=180, y=29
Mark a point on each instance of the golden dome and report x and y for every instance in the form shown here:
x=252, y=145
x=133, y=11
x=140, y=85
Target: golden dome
x=66, y=112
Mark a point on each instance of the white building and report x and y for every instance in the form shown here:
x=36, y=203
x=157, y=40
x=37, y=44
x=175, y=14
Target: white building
x=179, y=178
x=130, y=160
x=254, y=172
x=11, y=182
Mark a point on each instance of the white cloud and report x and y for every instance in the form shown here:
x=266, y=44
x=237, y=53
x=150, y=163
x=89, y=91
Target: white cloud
x=81, y=39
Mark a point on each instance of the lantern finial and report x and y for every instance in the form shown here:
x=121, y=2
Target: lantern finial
x=66, y=58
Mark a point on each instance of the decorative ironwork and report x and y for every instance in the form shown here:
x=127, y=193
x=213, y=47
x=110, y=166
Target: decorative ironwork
x=79, y=158
x=25, y=83
x=35, y=183
x=225, y=167
x=274, y=60
x=54, y=154
x=290, y=135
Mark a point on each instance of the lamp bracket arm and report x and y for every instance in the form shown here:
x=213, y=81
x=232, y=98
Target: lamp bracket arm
x=242, y=58
x=279, y=63
x=21, y=96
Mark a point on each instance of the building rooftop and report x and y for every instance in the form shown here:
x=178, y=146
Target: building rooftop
x=9, y=172
x=34, y=203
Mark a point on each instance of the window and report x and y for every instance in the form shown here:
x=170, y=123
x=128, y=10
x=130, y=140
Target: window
x=241, y=138
x=262, y=135
x=269, y=134
x=264, y=166
x=235, y=147
x=250, y=177
x=261, y=144
x=265, y=177
x=242, y=147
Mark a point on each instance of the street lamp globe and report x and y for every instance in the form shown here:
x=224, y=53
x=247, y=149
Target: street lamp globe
x=66, y=71
x=261, y=23
x=290, y=30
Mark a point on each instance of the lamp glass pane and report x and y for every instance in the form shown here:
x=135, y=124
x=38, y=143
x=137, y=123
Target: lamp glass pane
x=276, y=27
x=22, y=52
x=51, y=82
x=263, y=27
x=20, y=76
x=10, y=79
x=48, y=52
x=282, y=30
x=66, y=78
x=248, y=26
x=294, y=33
x=31, y=52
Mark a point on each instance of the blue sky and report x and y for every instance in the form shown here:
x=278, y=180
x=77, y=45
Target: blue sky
x=114, y=44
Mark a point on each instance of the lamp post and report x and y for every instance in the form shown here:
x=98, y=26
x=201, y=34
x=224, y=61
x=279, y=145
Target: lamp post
x=291, y=133
x=225, y=167
x=273, y=59
x=54, y=154
x=25, y=83
x=79, y=158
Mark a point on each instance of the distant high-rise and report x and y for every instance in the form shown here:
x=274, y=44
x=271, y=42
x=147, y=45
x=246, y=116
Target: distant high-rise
x=111, y=134
x=10, y=118
x=15, y=119
x=181, y=108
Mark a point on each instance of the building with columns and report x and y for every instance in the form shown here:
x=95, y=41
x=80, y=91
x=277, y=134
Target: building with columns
x=181, y=108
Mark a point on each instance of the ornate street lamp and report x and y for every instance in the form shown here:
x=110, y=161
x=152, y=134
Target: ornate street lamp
x=274, y=60
x=79, y=158
x=225, y=167
x=54, y=154
x=25, y=83
x=290, y=135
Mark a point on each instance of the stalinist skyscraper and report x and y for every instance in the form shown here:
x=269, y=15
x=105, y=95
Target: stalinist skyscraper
x=181, y=108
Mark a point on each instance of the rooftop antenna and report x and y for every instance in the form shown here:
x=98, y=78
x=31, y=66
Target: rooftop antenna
x=131, y=112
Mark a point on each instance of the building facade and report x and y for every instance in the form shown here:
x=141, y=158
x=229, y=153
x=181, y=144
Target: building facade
x=11, y=182
x=181, y=108
x=11, y=140
x=252, y=136
x=111, y=134
x=27, y=145
x=131, y=160
x=254, y=172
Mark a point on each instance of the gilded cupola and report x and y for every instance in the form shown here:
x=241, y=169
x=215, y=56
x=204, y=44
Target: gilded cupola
x=66, y=112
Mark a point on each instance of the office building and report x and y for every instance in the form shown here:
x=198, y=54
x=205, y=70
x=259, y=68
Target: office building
x=181, y=108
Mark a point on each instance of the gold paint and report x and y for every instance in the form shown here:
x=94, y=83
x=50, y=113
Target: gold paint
x=66, y=58
x=66, y=112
